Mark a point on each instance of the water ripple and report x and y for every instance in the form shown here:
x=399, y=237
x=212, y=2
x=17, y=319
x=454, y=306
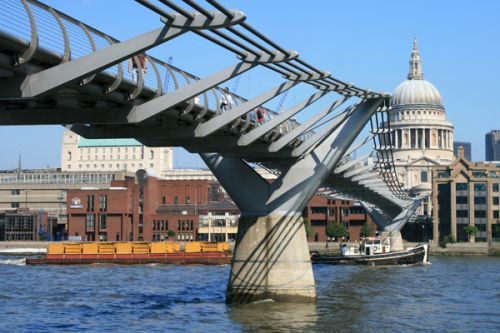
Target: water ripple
x=452, y=295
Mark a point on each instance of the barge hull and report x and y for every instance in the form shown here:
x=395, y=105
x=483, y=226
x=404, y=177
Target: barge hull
x=172, y=258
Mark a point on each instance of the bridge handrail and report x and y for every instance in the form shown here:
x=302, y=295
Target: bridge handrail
x=75, y=42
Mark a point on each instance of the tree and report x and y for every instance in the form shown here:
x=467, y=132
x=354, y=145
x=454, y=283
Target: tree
x=366, y=230
x=471, y=230
x=335, y=230
x=307, y=226
x=170, y=233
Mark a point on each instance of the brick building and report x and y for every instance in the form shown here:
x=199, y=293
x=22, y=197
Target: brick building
x=137, y=209
x=323, y=210
x=147, y=208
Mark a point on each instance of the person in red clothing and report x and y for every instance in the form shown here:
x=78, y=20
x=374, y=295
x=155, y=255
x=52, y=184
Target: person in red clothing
x=143, y=65
x=260, y=116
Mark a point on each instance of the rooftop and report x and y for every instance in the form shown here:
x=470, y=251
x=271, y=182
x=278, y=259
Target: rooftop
x=107, y=142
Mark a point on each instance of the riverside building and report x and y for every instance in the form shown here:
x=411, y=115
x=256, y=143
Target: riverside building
x=151, y=209
x=466, y=194
x=80, y=154
x=45, y=190
x=422, y=136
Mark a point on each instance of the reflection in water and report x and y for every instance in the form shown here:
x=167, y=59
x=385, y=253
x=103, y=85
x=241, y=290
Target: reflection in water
x=270, y=316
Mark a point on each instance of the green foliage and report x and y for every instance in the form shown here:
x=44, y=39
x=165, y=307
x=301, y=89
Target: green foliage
x=307, y=226
x=449, y=239
x=336, y=230
x=366, y=230
x=471, y=230
x=170, y=233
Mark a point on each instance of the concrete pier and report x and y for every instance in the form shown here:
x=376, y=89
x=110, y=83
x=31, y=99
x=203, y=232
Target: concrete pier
x=271, y=261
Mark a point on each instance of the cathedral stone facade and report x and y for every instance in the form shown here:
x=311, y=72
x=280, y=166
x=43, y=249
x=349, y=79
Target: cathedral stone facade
x=422, y=136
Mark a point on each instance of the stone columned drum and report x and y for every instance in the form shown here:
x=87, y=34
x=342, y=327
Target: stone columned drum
x=422, y=136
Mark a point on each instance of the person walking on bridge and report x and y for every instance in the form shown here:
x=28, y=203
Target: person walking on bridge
x=226, y=102
x=143, y=65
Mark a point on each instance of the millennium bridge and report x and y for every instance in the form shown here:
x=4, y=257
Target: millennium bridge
x=55, y=69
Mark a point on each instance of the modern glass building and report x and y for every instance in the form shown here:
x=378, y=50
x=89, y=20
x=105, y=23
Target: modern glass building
x=492, y=146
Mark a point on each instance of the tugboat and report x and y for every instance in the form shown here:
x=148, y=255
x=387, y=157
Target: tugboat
x=375, y=251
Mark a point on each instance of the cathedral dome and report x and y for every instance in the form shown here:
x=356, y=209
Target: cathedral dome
x=416, y=90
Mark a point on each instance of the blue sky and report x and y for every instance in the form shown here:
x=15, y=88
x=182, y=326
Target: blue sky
x=364, y=42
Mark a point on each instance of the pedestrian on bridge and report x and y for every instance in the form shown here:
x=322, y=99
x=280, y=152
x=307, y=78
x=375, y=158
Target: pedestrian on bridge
x=142, y=60
x=226, y=102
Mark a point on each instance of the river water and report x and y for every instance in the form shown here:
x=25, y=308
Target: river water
x=453, y=294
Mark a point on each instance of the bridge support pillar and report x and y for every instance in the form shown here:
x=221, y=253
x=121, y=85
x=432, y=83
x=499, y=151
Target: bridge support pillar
x=394, y=225
x=271, y=261
x=271, y=257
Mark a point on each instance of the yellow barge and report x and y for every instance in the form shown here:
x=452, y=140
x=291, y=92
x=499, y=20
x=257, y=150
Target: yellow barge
x=132, y=253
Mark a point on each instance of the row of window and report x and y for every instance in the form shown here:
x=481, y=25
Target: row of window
x=103, y=202
x=185, y=225
x=185, y=236
x=477, y=187
x=118, y=166
x=160, y=225
x=89, y=150
x=90, y=222
x=69, y=155
x=462, y=213
x=109, y=158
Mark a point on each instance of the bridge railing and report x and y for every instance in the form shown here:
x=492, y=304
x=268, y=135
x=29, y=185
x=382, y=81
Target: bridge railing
x=43, y=27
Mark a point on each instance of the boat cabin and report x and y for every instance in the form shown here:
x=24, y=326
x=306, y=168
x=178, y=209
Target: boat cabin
x=366, y=246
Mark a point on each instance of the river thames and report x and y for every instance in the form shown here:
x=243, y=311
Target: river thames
x=453, y=294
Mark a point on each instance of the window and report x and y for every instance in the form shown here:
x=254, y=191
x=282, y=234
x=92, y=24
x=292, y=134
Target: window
x=15, y=192
x=103, y=202
x=479, y=174
x=495, y=214
x=318, y=210
x=90, y=202
x=176, y=200
x=495, y=200
x=480, y=213
x=462, y=213
x=462, y=200
x=69, y=156
x=151, y=154
x=163, y=200
x=89, y=222
x=103, y=237
x=495, y=187
x=423, y=177
x=188, y=200
x=14, y=205
x=154, y=225
x=461, y=186
x=480, y=187
x=102, y=221
x=151, y=165
x=479, y=200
